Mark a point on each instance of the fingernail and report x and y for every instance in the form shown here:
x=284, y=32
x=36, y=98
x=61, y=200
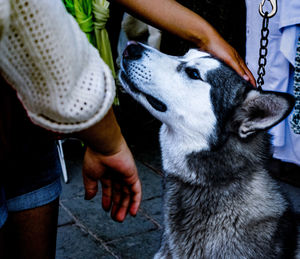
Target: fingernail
x=246, y=77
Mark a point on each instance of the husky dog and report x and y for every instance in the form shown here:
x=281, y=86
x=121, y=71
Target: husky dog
x=219, y=200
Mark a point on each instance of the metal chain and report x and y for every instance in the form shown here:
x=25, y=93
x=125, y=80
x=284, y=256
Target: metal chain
x=263, y=51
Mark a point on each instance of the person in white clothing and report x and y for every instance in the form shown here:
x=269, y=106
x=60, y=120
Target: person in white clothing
x=284, y=29
x=67, y=89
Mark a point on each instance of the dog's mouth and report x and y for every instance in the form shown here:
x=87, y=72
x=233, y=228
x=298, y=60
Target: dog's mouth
x=126, y=82
x=154, y=102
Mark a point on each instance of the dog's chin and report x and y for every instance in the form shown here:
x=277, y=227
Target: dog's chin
x=127, y=84
x=130, y=87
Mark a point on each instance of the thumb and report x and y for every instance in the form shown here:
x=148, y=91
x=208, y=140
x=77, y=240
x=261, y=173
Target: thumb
x=90, y=186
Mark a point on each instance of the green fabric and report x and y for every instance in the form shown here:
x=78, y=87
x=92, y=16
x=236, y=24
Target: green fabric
x=92, y=15
x=84, y=17
x=101, y=15
x=69, y=4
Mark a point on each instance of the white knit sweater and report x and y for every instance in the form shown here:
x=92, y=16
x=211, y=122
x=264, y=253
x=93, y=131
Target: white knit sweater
x=59, y=77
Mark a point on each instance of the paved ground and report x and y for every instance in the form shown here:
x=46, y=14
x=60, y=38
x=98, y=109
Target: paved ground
x=86, y=231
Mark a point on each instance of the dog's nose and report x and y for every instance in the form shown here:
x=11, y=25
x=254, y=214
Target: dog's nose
x=133, y=50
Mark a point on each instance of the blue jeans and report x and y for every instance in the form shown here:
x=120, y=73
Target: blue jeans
x=30, y=189
x=29, y=165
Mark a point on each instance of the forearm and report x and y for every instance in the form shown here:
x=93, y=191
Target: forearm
x=173, y=17
x=104, y=137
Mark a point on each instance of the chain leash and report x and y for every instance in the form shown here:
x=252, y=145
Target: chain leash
x=263, y=51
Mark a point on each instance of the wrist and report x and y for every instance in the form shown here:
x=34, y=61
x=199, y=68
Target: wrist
x=104, y=137
x=203, y=35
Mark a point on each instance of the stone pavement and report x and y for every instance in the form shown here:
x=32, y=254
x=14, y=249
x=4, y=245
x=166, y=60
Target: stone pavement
x=86, y=231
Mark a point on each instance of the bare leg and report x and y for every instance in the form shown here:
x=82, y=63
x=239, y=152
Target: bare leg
x=2, y=242
x=32, y=233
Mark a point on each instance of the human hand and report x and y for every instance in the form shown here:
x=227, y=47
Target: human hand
x=109, y=160
x=121, y=187
x=218, y=47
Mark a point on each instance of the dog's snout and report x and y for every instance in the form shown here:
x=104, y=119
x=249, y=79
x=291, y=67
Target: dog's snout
x=133, y=51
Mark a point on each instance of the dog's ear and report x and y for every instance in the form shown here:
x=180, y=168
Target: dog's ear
x=261, y=110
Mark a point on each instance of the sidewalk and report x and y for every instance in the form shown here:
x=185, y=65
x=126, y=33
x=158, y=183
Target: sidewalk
x=86, y=231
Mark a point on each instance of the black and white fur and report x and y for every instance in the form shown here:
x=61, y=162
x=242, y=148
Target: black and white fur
x=219, y=200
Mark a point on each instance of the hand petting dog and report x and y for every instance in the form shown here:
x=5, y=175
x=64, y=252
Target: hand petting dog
x=173, y=17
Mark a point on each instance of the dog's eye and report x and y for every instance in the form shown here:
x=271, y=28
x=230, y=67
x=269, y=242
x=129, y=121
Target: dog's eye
x=193, y=73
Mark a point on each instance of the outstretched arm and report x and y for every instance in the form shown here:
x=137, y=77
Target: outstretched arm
x=175, y=18
x=109, y=160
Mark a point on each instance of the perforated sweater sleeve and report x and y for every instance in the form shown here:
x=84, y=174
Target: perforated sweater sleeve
x=59, y=77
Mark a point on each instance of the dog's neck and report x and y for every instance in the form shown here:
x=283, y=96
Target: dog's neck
x=193, y=161
x=175, y=147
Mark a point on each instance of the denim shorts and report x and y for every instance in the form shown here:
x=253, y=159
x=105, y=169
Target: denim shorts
x=30, y=184
x=29, y=164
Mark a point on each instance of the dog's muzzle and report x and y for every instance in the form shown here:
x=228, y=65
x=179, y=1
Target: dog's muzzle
x=130, y=69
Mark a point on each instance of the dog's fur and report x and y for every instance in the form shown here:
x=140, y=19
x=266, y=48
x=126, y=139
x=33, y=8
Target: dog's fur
x=219, y=200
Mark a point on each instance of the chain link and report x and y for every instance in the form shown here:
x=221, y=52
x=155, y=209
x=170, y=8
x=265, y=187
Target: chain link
x=263, y=51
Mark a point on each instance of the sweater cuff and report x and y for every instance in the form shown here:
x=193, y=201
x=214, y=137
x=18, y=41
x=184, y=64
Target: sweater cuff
x=70, y=127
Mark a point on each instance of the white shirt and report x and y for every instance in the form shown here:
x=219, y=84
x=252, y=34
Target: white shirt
x=59, y=77
x=284, y=32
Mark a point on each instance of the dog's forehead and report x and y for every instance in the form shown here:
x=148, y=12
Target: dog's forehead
x=203, y=60
x=194, y=53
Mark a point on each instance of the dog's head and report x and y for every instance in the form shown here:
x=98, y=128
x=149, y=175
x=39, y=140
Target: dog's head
x=198, y=95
